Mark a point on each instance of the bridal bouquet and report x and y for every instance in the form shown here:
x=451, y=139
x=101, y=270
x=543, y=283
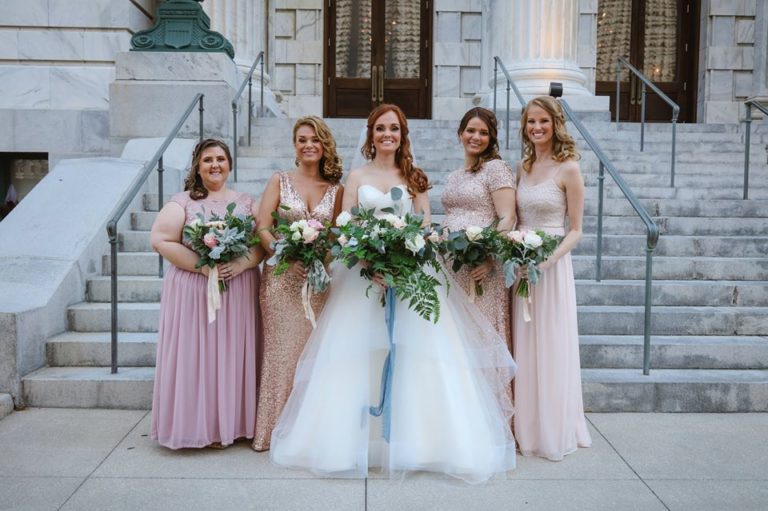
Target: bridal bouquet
x=472, y=247
x=220, y=240
x=525, y=248
x=397, y=247
x=306, y=241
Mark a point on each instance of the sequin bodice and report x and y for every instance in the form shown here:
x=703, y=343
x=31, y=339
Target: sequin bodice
x=542, y=205
x=290, y=197
x=467, y=198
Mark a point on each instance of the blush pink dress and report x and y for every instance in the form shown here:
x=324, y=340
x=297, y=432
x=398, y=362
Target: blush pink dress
x=286, y=330
x=549, y=411
x=205, y=379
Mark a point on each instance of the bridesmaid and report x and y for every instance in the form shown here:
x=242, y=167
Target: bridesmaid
x=205, y=380
x=478, y=193
x=311, y=191
x=549, y=412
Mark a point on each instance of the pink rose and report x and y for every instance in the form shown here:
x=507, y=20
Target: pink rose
x=316, y=225
x=210, y=240
x=310, y=235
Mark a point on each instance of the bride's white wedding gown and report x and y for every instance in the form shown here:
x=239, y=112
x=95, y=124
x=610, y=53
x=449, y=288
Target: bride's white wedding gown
x=450, y=404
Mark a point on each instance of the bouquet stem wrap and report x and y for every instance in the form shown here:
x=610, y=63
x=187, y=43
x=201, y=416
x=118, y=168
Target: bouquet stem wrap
x=214, y=294
x=385, y=402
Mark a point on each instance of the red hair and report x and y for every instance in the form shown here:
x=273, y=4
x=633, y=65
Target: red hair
x=415, y=178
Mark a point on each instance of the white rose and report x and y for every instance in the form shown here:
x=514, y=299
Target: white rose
x=474, y=233
x=310, y=234
x=515, y=236
x=434, y=237
x=295, y=227
x=342, y=240
x=532, y=239
x=296, y=236
x=394, y=220
x=415, y=244
x=343, y=218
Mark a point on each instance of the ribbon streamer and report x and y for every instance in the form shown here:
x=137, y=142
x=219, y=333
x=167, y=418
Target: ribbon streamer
x=306, y=302
x=384, y=408
x=214, y=295
x=472, y=290
x=526, y=301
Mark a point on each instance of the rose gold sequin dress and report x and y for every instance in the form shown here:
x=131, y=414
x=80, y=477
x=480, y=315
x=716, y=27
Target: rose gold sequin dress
x=467, y=201
x=549, y=411
x=285, y=328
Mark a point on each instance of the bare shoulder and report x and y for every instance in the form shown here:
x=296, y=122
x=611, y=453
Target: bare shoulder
x=570, y=169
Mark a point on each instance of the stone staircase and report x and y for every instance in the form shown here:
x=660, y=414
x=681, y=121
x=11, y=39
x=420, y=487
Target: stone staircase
x=710, y=293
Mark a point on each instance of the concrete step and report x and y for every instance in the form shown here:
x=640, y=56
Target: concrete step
x=677, y=246
x=685, y=293
x=681, y=207
x=666, y=320
x=675, y=390
x=129, y=289
x=687, y=226
x=674, y=352
x=89, y=387
x=735, y=192
x=135, y=349
x=96, y=317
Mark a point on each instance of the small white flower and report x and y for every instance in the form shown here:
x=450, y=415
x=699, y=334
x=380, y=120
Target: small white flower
x=343, y=218
x=295, y=227
x=296, y=236
x=532, y=239
x=394, y=220
x=474, y=233
x=415, y=244
x=515, y=236
x=434, y=237
x=343, y=240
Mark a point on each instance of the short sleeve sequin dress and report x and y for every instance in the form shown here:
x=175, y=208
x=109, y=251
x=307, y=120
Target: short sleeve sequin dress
x=205, y=376
x=285, y=329
x=467, y=201
x=549, y=411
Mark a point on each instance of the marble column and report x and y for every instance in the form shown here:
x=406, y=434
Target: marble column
x=538, y=41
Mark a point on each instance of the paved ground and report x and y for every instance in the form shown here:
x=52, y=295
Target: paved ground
x=103, y=460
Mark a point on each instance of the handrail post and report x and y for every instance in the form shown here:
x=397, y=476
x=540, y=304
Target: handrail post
x=507, y=124
x=495, y=74
x=261, y=92
x=113, y=295
x=648, y=303
x=642, y=115
x=618, y=88
x=599, y=248
x=674, y=142
x=250, y=107
x=201, y=110
x=747, y=134
x=160, y=170
x=234, y=139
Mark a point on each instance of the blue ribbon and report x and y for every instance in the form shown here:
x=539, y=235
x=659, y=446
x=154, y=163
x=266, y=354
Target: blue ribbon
x=385, y=400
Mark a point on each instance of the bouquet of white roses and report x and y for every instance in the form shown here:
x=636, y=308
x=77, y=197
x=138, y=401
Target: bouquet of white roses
x=472, y=247
x=306, y=241
x=399, y=248
x=220, y=240
x=529, y=249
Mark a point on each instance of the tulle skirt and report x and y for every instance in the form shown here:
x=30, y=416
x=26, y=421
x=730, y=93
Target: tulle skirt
x=450, y=406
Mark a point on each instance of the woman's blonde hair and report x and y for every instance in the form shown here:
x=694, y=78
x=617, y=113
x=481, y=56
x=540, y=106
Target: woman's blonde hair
x=330, y=163
x=563, y=145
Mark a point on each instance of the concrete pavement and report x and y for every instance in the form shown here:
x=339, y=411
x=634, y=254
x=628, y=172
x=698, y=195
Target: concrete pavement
x=86, y=459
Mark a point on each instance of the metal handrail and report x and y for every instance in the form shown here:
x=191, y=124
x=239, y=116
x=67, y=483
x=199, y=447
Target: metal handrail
x=248, y=80
x=138, y=183
x=749, y=104
x=510, y=84
x=652, y=229
x=645, y=81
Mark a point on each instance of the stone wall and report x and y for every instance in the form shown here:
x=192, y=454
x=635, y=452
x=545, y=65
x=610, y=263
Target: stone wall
x=732, y=58
x=56, y=64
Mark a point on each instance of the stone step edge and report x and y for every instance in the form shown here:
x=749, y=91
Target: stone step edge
x=6, y=405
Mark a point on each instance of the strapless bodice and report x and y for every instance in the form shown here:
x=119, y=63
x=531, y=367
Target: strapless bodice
x=370, y=197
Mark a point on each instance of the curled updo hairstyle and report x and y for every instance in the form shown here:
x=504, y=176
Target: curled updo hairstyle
x=330, y=163
x=563, y=145
x=489, y=118
x=415, y=178
x=193, y=183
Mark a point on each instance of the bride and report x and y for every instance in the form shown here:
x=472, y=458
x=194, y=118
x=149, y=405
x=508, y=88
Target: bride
x=450, y=404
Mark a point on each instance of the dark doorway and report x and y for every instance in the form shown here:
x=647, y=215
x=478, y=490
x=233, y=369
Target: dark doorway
x=378, y=51
x=658, y=37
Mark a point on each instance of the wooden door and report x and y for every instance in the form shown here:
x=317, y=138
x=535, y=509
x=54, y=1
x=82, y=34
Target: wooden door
x=658, y=37
x=378, y=51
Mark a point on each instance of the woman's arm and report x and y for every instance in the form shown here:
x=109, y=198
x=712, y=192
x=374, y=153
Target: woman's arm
x=338, y=203
x=166, y=238
x=421, y=207
x=504, y=202
x=349, y=197
x=270, y=202
x=573, y=184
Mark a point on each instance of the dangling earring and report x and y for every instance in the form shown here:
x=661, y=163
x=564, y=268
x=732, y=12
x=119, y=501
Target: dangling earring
x=296, y=162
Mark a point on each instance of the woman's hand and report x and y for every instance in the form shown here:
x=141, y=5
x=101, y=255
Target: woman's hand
x=378, y=279
x=230, y=270
x=479, y=273
x=298, y=269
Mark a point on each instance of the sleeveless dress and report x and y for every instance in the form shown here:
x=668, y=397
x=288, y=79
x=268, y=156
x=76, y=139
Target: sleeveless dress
x=549, y=411
x=285, y=328
x=467, y=201
x=205, y=376
x=449, y=400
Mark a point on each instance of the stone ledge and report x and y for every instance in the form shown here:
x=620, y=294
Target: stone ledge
x=6, y=405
